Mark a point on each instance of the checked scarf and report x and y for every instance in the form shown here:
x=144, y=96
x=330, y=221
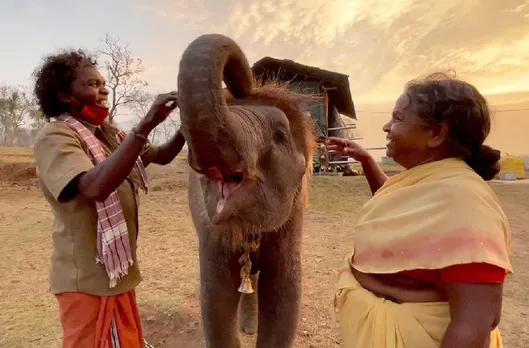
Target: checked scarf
x=113, y=245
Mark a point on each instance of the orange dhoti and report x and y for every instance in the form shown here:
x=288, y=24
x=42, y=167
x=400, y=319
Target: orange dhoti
x=90, y=321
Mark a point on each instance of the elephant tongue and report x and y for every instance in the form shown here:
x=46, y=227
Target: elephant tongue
x=225, y=189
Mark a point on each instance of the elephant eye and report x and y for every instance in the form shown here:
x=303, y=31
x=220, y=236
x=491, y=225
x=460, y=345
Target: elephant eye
x=280, y=137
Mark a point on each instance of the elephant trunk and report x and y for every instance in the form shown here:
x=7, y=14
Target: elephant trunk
x=207, y=123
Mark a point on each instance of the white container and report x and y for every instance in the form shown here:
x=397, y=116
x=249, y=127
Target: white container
x=387, y=160
x=508, y=176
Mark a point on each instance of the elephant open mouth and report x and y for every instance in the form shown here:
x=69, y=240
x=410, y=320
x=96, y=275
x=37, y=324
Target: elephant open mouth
x=226, y=185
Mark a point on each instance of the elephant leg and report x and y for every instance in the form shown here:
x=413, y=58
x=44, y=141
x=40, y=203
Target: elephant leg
x=219, y=298
x=279, y=296
x=248, y=308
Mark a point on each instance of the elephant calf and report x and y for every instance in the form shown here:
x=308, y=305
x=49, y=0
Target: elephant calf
x=250, y=148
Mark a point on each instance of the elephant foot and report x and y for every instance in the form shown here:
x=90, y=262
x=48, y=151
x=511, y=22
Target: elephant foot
x=248, y=309
x=248, y=324
x=249, y=330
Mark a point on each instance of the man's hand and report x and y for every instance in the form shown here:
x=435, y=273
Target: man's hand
x=162, y=106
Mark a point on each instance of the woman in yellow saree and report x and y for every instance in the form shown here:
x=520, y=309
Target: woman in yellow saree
x=431, y=246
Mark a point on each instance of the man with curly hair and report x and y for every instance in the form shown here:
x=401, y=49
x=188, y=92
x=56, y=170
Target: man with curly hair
x=90, y=172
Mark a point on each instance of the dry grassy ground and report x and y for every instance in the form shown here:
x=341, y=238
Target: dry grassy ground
x=168, y=255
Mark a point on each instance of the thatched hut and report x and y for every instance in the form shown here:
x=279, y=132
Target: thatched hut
x=333, y=87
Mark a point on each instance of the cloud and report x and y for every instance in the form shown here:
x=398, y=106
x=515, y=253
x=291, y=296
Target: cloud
x=190, y=13
x=380, y=44
x=519, y=8
x=156, y=73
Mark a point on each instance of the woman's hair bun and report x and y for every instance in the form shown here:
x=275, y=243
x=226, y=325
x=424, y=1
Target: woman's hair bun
x=485, y=161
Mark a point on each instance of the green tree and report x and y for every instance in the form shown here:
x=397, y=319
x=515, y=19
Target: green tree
x=18, y=112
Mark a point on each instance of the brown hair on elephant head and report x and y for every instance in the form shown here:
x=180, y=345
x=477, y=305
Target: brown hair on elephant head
x=253, y=143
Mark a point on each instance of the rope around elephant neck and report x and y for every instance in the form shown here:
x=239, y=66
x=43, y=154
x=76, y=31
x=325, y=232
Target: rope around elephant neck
x=249, y=247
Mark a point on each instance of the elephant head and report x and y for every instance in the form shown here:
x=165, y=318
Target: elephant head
x=252, y=142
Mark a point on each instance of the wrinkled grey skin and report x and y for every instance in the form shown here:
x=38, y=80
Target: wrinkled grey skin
x=262, y=134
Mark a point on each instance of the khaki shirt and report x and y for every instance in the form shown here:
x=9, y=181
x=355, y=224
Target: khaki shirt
x=60, y=157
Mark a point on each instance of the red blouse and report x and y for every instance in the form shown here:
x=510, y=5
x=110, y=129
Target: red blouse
x=466, y=273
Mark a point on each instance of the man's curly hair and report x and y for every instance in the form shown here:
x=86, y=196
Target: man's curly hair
x=55, y=75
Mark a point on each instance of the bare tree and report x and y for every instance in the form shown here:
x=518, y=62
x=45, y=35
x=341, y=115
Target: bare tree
x=171, y=124
x=17, y=110
x=122, y=71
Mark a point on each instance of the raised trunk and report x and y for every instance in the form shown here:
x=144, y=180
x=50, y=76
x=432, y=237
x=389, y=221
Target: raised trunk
x=206, y=118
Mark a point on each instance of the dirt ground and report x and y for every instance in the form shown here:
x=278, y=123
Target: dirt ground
x=168, y=254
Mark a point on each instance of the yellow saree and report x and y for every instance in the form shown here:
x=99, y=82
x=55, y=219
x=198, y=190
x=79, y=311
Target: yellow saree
x=429, y=217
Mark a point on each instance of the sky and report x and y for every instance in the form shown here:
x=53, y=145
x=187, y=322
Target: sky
x=380, y=44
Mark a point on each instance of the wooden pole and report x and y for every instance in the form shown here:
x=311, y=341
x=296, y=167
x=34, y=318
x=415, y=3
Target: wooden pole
x=326, y=111
x=325, y=156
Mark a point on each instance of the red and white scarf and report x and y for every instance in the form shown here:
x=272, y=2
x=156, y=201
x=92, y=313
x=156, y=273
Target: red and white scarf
x=113, y=245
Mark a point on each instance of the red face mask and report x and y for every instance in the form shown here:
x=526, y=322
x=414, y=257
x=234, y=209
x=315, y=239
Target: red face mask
x=94, y=114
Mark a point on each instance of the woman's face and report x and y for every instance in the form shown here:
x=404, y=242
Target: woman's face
x=88, y=88
x=411, y=141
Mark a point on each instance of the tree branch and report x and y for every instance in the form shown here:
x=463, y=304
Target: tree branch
x=121, y=69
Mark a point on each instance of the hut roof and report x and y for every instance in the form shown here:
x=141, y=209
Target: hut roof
x=287, y=70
